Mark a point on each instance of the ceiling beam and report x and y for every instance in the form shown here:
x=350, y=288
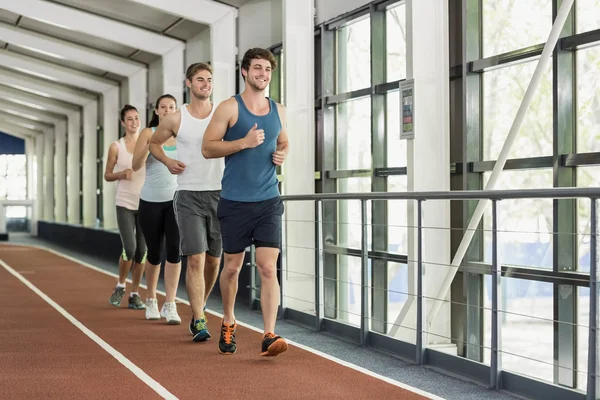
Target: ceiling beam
x=38, y=102
x=201, y=11
x=44, y=88
x=24, y=122
x=62, y=49
x=31, y=113
x=91, y=24
x=18, y=131
x=47, y=70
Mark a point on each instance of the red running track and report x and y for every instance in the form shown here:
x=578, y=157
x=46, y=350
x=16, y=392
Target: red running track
x=82, y=347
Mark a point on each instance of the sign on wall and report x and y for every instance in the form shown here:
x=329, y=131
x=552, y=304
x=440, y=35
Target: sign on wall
x=407, y=109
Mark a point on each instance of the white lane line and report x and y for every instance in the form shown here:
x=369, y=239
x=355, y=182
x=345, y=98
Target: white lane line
x=259, y=330
x=154, y=385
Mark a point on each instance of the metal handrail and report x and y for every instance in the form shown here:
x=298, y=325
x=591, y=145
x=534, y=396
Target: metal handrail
x=551, y=193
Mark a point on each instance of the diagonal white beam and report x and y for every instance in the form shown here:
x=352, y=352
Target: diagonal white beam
x=18, y=131
x=91, y=24
x=24, y=122
x=202, y=11
x=38, y=102
x=30, y=113
x=44, y=88
x=64, y=50
x=57, y=73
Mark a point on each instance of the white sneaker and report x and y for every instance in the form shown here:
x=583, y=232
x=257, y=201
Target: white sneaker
x=169, y=311
x=152, y=309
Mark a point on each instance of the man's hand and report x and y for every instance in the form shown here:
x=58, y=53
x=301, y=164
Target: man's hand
x=175, y=167
x=126, y=174
x=280, y=153
x=254, y=137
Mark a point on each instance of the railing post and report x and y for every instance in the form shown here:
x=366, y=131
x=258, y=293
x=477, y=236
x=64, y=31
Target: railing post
x=592, y=381
x=252, y=296
x=496, y=357
x=364, y=284
x=319, y=300
x=420, y=356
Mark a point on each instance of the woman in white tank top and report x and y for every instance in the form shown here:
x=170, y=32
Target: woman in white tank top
x=129, y=185
x=157, y=217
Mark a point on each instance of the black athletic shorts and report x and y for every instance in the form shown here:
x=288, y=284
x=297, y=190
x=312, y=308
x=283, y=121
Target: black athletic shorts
x=247, y=223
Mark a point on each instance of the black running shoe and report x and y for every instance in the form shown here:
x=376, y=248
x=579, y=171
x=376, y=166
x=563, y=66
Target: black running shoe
x=273, y=345
x=227, y=339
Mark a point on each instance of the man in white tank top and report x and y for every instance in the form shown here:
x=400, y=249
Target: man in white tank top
x=198, y=192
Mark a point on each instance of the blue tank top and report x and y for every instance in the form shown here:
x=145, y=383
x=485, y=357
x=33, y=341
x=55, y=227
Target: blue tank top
x=250, y=174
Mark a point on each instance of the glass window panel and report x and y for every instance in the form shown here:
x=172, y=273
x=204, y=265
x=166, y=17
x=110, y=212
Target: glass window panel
x=395, y=26
x=396, y=148
x=587, y=14
x=350, y=222
x=3, y=187
x=503, y=92
x=354, y=134
x=527, y=306
x=588, y=98
x=16, y=165
x=397, y=216
x=354, y=56
x=349, y=293
x=524, y=225
x=586, y=177
x=397, y=297
x=513, y=24
x=3, y=158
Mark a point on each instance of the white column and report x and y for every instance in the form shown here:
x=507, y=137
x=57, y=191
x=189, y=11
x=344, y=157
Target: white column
x=60, y=171
x=29, y=163
x=74, y=132
x=110, y=123
x=429, y=157
x=137, y=91
x=298, y=169
x=173, y=73
x=49, y=174
x=39, y=192
x=223, y=52
x=90, y=148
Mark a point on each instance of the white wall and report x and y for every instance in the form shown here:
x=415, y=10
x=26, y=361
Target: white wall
x=155, y=79
x=259, y=25
x=197, y=49
x=328, y=9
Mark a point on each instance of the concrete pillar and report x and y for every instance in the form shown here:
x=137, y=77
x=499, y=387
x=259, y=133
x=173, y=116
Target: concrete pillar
x=173, y=73
x=298, y=169
x=429, y=157
x=29, y=165
x=90, y=151
x=223, y=51
x=60, y=171
x=137, y=93
x=74, y=132
x=110, y=123
x=48, y=197
x=39, y=192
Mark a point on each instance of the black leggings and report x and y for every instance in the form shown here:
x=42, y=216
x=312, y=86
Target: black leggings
x=158, y=221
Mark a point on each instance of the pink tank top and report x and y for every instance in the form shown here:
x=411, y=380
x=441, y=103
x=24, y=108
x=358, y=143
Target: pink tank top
x=128, y=191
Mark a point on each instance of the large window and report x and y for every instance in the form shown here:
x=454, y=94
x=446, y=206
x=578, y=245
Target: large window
x=13, y=182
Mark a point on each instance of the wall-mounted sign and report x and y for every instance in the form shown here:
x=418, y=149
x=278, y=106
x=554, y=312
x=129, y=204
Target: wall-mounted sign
x=407, y=109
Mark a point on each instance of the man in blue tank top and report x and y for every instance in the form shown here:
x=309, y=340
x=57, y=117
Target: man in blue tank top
x=249, y=131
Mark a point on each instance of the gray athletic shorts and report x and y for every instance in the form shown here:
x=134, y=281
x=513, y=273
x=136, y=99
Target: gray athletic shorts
x=199, y=228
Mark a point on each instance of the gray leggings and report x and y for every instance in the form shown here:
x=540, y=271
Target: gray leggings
x=134, y=245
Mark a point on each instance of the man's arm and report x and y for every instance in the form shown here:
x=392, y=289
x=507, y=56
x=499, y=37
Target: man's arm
x=111, y=161
x=282, y=140
x=165, y=130
x=140, y=154
x=213, y=145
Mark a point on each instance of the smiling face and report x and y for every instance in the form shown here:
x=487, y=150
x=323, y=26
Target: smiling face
x=258, y=74
x=131, y=122
x=200, y=84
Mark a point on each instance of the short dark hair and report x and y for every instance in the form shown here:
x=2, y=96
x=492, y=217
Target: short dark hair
x=260, y=54
x=193, y=69
x=128, y=107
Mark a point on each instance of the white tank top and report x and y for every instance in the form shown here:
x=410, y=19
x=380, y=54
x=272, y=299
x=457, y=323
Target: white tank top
x=200, y=174
x=128, y=191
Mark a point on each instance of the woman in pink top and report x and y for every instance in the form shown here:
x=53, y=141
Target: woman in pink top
x=129, y=185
